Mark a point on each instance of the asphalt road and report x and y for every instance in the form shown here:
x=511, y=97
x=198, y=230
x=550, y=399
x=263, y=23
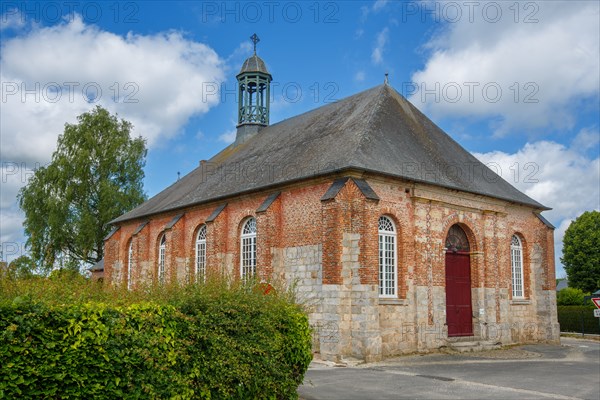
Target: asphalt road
x=568, y=371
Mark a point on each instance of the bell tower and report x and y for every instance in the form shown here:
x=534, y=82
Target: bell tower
x=254, y=95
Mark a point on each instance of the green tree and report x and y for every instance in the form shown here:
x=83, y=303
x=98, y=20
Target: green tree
x=21, y=267
x=581, y=252
x=95, y=175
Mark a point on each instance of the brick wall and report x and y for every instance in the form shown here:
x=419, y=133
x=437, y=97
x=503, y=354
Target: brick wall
x=329, y=250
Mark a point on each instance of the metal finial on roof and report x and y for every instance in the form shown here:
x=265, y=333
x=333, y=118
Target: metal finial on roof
x=178, y=175
x=255, y=39
x=385, y=81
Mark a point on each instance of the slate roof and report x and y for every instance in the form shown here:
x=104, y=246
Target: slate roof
x=99, y=266
x=377, y=130
x=545, y=221
x=562, y=284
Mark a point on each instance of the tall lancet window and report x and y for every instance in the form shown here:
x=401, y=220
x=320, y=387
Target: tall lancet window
x=516, y=262
x=248, y=249
x=162, y=253
x=388, y=270
x=201, y=254
x=130, y=265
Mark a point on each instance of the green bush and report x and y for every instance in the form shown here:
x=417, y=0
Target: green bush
x=578, y=319
x=570, y=297
x=72, y=339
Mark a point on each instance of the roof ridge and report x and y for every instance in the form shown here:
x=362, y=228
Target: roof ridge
x=320, y=108
x=365, y=133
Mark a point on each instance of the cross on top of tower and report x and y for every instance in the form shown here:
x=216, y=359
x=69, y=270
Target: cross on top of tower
x=255, y=39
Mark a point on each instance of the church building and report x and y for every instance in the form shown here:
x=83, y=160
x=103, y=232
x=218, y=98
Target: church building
x=394, y=237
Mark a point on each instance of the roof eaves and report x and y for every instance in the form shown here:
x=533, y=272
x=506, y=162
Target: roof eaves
x=544, y=220
x=412, y=179
x=328, y=194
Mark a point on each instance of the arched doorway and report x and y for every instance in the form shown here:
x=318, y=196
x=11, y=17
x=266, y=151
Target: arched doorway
x=458, y=283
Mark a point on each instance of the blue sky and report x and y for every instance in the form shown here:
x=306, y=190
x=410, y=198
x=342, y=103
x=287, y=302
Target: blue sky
x=516, y=83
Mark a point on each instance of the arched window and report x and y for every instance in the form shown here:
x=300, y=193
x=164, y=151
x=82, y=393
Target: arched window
x=201, y=254
x=388, y=274
x=248, y=249
x=457, y=240
x=516, y=263
x=162, y=250
x=129, y=265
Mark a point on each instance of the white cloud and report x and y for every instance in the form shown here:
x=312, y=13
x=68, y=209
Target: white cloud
x=228, y=137
x=554, y=61
x=559, y=234
x=380, y=42
x=383, y=35
x=379, y=5
x=12, y=177
x=12, y=19
x=243, y=50
x=587, y=139
x=359, y=76
x=12, y=240
x=162, y=80
x=375, y=8
x=237, y=57
x=557, y=176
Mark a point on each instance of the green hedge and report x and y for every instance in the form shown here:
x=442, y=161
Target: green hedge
x=578, y=319
x=233, y=343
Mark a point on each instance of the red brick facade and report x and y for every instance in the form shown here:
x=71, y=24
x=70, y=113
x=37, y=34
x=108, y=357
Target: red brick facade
x=341, y=234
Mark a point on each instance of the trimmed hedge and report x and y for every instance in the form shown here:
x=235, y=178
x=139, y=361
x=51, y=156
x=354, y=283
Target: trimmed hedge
x=578, y=319
x=234, y=343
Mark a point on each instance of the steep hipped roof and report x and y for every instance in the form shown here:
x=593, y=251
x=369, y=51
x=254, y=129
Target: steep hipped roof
x=377, y=130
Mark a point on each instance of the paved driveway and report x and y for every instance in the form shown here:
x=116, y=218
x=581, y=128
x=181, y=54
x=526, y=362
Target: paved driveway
x=569, y=371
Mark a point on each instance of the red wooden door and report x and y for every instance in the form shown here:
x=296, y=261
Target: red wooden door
x=458, y=295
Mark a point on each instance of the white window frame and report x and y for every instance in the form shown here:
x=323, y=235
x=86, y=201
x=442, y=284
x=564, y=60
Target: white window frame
x=248, y=249
x=388, y=258
x=201, y=254
x=516, y=264
x=129, y=265
x=162, y=252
